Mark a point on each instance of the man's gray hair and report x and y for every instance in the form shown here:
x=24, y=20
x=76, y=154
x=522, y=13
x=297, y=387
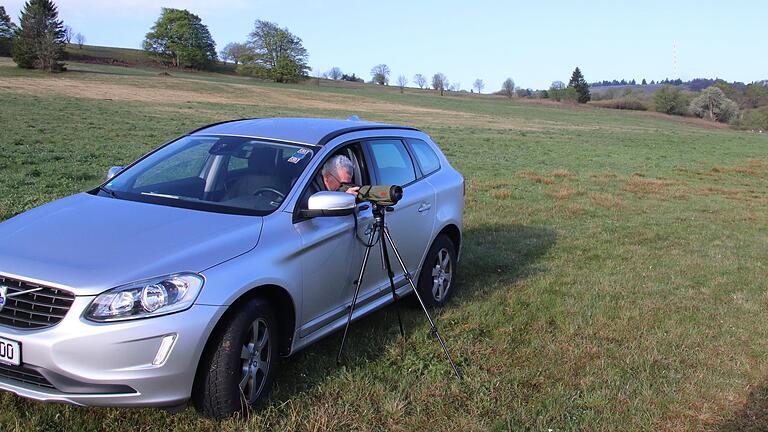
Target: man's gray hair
x=336, y=164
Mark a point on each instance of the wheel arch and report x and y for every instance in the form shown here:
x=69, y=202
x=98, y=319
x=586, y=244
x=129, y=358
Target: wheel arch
x=453, y=232
x=285, y=312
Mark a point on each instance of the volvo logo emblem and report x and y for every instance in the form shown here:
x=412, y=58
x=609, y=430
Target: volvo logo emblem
x=3, y=295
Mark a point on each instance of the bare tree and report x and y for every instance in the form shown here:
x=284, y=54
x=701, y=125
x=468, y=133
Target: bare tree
x=317, y=75
x=479, y=85
x=335, y=73
x=508, y=88
x=80, y=40
x=439, y=82
x=235, y=52
x=402, y=81
x=68, y=34
x=380, y=74
x=420, y=80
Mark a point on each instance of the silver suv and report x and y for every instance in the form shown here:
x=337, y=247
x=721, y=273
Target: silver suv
x=189, y=273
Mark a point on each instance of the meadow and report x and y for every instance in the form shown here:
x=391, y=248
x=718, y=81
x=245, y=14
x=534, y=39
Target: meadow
x=613, y=272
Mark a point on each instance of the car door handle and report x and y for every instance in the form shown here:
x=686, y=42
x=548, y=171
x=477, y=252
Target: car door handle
x=424, y=207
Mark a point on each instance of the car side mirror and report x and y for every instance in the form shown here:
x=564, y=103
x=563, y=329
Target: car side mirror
x=330, y=204
x=113, y=171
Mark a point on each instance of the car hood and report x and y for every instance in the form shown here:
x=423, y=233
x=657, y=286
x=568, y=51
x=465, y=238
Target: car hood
x=87, y=243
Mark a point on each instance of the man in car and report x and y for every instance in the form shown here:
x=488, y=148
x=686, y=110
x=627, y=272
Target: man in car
x=338, y=170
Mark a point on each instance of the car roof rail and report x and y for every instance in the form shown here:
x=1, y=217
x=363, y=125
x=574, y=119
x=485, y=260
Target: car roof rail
x=337, y=133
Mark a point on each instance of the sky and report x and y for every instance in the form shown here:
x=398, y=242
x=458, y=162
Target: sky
x=534, y=43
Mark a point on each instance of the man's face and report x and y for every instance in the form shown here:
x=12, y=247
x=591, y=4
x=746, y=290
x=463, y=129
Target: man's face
x=333, y=180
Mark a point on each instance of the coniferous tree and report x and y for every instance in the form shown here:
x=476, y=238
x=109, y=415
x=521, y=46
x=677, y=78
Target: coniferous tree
x=579, y=84
x=39, y=41
x=7, y=29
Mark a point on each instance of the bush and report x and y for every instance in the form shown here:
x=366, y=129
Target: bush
x=753, y=119
x=713, y=105
x=623, y=103
x=670, y=100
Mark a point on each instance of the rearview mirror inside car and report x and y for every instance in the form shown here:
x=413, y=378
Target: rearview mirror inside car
x=330, y=204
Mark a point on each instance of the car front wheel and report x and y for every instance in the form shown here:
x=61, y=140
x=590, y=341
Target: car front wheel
x=239, y=366
x=436, y=277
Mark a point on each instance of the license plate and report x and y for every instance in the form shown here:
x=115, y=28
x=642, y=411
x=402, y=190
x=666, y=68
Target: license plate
x=10, y=352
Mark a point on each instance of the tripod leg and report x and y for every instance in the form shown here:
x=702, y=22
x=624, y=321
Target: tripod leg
x=434, y=329
x=391, y=274
x=374, y=229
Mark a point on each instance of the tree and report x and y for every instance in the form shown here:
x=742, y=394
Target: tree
x=180, y=37
x=39, y=41
x=479, y=85
x=69, y=33
x=351, y=78
x=234, y=52
x=556, y=91
x=508, y=87
x=755, y=94
x=402, y=81
x=670, y=100
x=380, y=74
x=713, y=105
x=420, y=80
x=439, y=82
x=7, y=30
x=80, y=40
x=579, y=84
x=275, y=53
x=644, y=82
x=335, y=73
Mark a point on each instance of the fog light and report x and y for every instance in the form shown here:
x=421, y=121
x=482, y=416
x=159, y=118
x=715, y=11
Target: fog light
x=165, y=349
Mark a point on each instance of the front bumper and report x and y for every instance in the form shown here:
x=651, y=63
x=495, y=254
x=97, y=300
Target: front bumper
x=111, y=364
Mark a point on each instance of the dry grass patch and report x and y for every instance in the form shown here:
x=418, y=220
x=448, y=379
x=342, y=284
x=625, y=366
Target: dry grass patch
x=501, y=194
x=563, y=173
x=564, y=192
x=536, y=178
x=644, y=186
x=605, y=200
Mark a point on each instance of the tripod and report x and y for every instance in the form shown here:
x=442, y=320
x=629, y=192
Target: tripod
x=380, y=233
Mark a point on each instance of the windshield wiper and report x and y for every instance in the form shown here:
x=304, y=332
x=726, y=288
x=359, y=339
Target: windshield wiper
x=109, y=192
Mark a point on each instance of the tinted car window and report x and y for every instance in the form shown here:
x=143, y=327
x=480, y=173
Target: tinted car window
x=426, y=157
x=392, y=162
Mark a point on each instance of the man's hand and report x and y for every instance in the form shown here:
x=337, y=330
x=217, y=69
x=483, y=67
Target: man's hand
x=353, y=190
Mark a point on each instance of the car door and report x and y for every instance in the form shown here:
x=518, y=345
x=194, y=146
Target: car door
x=332, y=253
x=412, y=221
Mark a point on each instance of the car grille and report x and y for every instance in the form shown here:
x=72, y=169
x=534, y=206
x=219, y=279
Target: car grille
x=24, y=375
x=41, y=308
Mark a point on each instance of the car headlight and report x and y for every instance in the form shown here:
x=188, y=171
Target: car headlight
x=147, y=298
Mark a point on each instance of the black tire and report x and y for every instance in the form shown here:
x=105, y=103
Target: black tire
x=433, y=294
x=224, y=386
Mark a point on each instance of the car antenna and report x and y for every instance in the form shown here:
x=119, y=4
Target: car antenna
x=353, y=118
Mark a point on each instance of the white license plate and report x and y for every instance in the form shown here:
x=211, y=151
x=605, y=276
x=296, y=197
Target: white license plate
x=10, y=352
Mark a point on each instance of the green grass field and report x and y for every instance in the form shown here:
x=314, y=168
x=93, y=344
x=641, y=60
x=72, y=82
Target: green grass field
x=613, y=273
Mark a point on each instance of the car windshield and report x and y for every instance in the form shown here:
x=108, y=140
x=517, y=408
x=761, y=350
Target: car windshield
x=215, y=173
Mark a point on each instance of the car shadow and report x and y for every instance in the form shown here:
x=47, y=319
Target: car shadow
x=492, y=256
x=753, y=416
